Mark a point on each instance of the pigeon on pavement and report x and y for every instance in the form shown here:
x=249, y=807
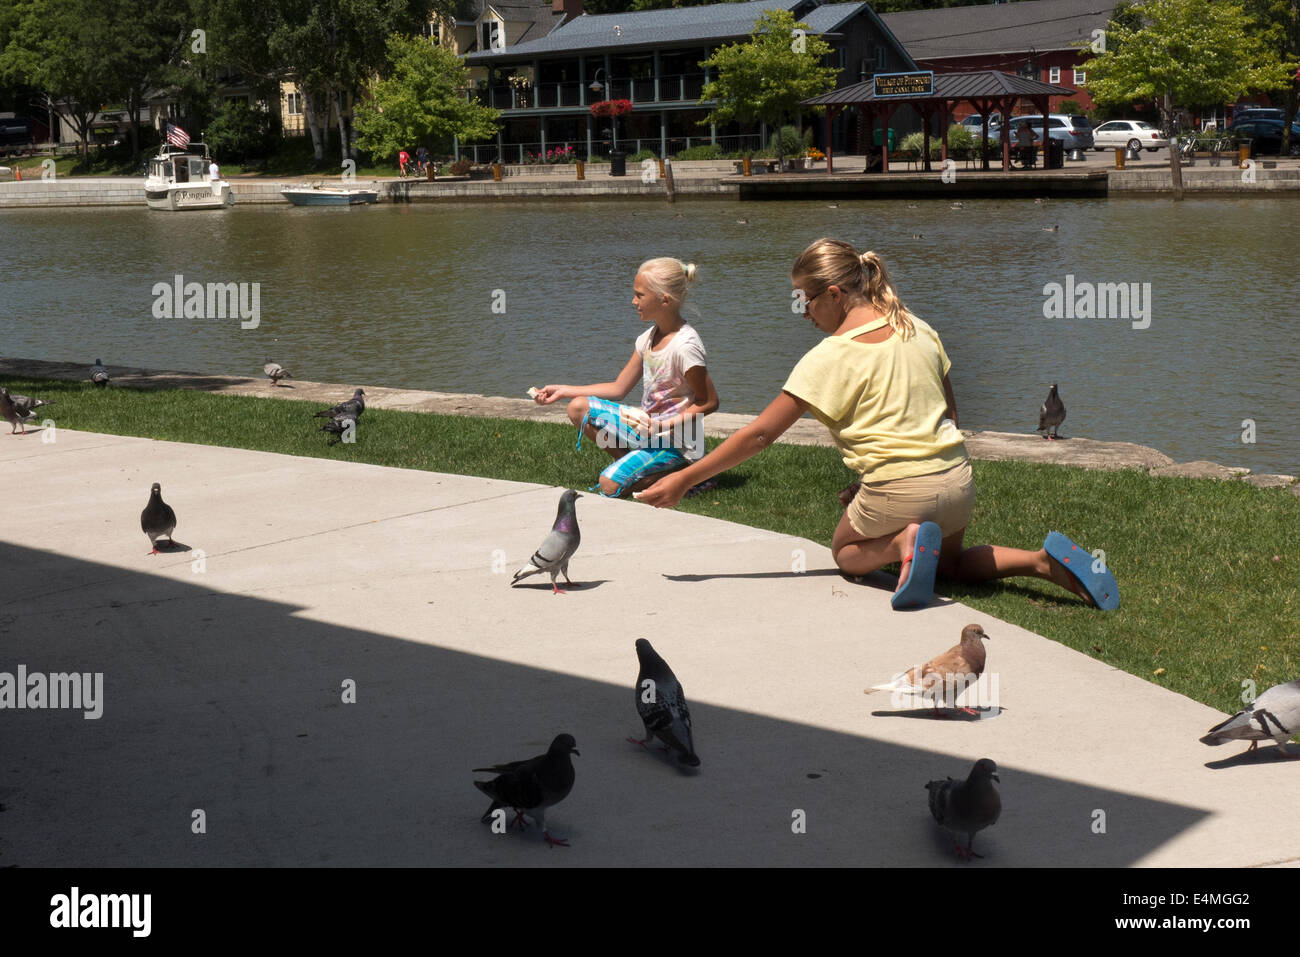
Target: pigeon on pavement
x=353, y=407
x=157, y=519
x=553, y=555
x=276, y=372
x=1051, y=415
x=661, y=702
x=1274, y=714
x=532, y=785
x=98, y=374
x=967, y=807
x=962, y=663
x=338, y=425
x=18, y=409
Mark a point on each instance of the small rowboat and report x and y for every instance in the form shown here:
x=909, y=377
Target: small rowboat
x=329, y=195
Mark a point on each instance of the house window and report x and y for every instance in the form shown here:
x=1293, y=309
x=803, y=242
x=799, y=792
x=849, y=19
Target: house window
x=1080, y=77
x=1054, y=75
x=491, y=35
x=294, y=101
x=880, y=58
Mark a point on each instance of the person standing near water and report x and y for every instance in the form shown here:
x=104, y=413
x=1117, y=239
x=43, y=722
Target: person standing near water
x=879, y=382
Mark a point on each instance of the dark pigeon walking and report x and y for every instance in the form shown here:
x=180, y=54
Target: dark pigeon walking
x=533, y=785
x=18, y=409
x=1274, y=714
x=553, y=555
x=353, y=407
x=661, y=702
x=98, y=374
x=1051, y=415
x=967, y=807
x=157, y=519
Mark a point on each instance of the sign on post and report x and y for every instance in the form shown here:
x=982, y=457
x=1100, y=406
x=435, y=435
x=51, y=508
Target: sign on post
x=904, y=84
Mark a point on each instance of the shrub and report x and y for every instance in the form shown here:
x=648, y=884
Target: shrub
x=959, y=139
x=459, y=168
x=240, y=132
x=642, y=155
x=1069, y=108
x=709, y=151
x=790, y=143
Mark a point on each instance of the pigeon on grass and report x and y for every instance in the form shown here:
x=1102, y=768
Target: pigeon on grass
x=661, y=702
x=98, y=374
x=275, y=372
x=1051, y=415
x=353, y=407
x=967, y=807
x=553, y=555
x=18, y=409
x=1274, y=714
x=533, y=785
x=157, y=519
x=963, y=663
x=338, y=427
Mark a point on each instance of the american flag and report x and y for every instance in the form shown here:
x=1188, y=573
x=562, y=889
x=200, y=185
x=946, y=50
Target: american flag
x=177, y=137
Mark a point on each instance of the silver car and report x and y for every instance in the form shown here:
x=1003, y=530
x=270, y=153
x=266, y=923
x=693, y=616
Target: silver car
x=1073, y=130
x=1130, y=134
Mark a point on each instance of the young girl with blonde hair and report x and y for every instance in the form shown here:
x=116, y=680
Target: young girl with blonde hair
x=879, y=383
x=665, y=433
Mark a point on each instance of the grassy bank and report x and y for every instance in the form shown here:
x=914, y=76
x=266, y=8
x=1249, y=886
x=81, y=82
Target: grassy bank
x=1208, y=570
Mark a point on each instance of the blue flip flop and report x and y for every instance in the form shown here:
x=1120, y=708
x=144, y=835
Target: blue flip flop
x=919, y=587
x=1100, y=585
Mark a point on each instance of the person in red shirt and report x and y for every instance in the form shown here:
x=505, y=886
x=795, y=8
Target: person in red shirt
x=402, y=159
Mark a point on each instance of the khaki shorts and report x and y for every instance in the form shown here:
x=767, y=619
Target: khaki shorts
x=945, y=498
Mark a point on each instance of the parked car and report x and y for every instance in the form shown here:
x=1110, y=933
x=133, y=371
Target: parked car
x=975, y=124
x=1266, y=136
x=1133, y=134
x=1258, y=113
x=1075, y=131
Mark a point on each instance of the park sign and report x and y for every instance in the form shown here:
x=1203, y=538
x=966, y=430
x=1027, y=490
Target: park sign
x=904, y=84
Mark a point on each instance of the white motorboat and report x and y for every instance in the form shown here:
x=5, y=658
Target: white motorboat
x=178, y=179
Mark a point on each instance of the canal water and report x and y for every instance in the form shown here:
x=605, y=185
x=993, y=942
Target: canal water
x=495, y=297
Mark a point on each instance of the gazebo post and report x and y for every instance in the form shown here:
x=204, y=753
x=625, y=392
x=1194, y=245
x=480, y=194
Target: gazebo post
x=1008, y=107
x=943, y=148
x=925, y=139
x=830, y=147
x=1042, y=103
x=885, y=114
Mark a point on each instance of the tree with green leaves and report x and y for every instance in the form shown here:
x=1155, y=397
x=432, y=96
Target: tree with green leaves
x=765, y=79
x=1279, y=22
x=420, y=98
x=1186, y=53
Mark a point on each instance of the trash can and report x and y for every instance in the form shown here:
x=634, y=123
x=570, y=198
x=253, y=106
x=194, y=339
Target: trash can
x=878, y=135
x=1055, y=154
x=617, y=163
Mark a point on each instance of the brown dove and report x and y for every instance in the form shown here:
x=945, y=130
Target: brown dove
x=962, y=663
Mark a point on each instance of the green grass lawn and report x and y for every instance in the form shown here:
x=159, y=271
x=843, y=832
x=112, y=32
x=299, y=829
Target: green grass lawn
x=1208, y=571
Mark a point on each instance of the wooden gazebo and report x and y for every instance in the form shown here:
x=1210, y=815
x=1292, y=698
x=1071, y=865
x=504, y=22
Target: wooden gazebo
x=934, y=96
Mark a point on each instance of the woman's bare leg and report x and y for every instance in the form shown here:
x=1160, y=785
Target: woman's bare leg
x=577, y=412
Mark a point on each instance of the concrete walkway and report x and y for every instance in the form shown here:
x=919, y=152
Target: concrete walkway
x=223, y=676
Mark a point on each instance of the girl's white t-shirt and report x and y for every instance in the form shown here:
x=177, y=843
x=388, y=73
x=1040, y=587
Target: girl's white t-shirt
x=663, y=372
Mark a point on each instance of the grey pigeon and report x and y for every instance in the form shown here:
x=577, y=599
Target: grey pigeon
x=353, y=407
x=967, y=807
x=98, y=374
x=1051, y=415
x=553, y=555
x=339, y=425
x=276, y=372
x=1274, y=714
x=532, y=785
x=661, y=702
x=18, y=409
x=157, y=519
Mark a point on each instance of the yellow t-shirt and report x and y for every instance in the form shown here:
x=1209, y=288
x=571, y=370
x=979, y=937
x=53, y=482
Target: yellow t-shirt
x=883, y=402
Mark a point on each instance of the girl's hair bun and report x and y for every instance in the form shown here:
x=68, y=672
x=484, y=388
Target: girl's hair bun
x=691, y=272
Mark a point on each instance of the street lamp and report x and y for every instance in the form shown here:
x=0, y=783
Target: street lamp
x=599, y=89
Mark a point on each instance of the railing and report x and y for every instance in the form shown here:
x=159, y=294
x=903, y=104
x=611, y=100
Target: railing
x=673, y=88
x=524, y=153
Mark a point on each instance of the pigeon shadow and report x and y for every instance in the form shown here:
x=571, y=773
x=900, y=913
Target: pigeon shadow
x=1273, y=755
x=941, y=714
x=177, y=546
x=574, y=586
x=666, y=757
